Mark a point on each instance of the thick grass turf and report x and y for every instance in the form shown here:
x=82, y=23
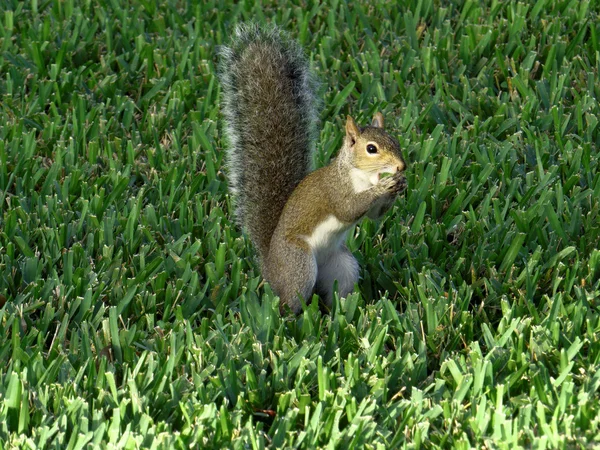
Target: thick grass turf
x=132, y=312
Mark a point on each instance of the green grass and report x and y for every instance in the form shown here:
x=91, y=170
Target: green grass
x=132, y=312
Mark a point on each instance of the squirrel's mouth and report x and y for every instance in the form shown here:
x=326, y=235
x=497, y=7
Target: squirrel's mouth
x=387, y=172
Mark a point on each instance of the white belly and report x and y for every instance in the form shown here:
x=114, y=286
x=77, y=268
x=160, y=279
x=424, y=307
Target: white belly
x=327, y=237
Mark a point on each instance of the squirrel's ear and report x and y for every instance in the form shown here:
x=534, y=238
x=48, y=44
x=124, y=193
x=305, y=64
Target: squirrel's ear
x=352, y=131
x=377, y=120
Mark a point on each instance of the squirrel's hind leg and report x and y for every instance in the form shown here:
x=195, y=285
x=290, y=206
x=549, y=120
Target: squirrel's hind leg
x=292, y=273
x=342, y=266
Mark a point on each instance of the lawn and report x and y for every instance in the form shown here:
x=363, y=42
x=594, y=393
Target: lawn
x=132, y=310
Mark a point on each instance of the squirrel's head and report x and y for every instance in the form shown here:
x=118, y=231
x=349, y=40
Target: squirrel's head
x=372, y=152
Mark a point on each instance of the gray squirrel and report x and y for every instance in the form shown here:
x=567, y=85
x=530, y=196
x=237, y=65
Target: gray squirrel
x=298, y=218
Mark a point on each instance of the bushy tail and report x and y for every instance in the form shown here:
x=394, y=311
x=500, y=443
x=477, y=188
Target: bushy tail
x=269, y=104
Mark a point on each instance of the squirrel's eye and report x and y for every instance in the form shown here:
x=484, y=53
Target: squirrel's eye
x=371, y=149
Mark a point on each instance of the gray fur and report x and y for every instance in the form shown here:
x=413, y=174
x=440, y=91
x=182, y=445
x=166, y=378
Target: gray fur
x=269, y=106
x=297, y=219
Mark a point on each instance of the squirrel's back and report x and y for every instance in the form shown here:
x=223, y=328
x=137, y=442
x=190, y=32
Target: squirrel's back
x=270, y=123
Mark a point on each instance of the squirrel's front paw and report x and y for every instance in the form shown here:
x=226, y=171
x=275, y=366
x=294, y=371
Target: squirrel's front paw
x=401, y=184
x=394, y=184
x=388, y=184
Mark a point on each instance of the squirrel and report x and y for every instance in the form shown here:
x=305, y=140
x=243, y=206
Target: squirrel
x=298, y=218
